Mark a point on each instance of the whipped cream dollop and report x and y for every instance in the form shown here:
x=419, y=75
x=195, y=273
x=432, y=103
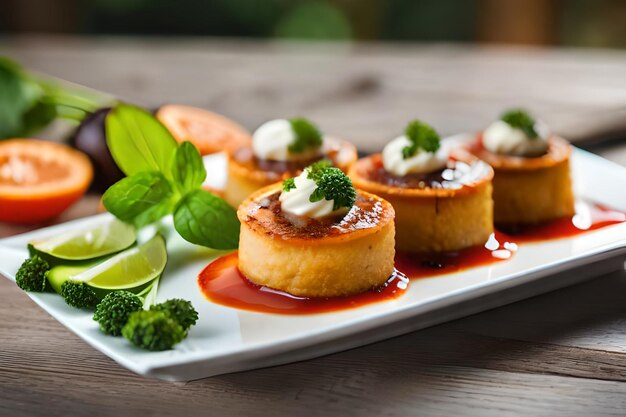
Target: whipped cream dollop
x=500, y=137
x=422, y=162
x=297, y=202
x=272, y=140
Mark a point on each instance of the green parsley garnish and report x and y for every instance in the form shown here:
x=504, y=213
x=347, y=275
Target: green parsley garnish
x=422, y=136
x=315, y=171
x=307, y=135
x=333, y=184
x=520, y=119
x=289, y=184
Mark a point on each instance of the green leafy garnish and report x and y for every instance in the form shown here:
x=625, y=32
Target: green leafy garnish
x=188, y=169
x=28, y=104
x=289, y=184
x=205, y=219
x=315, y=171
x=520, y=119
x=131, y=197
x=164, y=178
x=307, y=135
x=333, y=184
x=422, y=137
x=138, y=141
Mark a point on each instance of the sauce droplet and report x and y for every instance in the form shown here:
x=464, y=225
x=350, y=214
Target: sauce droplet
x=498, y=248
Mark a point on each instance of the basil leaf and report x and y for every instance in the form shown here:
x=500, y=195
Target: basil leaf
x=188, y=169
x=155, y=213
x=204, y=219
x=130, y=197
x=138, y=141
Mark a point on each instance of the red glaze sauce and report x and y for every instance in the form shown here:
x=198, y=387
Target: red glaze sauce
x=498, y=248
x=588, y=217
x=503, y=243
x=222, y=283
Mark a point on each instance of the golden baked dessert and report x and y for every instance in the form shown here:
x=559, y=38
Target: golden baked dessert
x=532, y=182
x=281, y=149
x=208, y=131
x=316, y=236
x=442, y=199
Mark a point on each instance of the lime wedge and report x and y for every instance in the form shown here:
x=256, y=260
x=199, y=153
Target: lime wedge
x=129, y=269
x=61, y=273
x=105, y=239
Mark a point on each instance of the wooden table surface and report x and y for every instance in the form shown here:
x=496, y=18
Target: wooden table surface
x=563, y=353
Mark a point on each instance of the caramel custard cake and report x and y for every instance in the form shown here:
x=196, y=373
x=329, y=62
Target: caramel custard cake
x=281, y=149
x=442, y=201
x=532, y=182
x=316, y=236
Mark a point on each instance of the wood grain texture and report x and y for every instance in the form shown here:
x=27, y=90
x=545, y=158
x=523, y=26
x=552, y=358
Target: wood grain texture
x=365, y=93
x=560, y=354
x=467, y=367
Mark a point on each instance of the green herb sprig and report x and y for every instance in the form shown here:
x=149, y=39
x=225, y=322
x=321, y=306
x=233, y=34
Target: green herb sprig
x=289, y=184
x=315, y=171
x=28, y=104
x=520, y=119
x=422, y=137
x=307, y=135
x=164, y=178
x=332, y=184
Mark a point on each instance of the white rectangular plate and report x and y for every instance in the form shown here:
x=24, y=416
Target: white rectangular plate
x=228, y=340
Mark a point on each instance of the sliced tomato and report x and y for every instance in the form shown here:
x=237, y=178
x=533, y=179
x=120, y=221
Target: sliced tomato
x=40, y=179
x=209, y=131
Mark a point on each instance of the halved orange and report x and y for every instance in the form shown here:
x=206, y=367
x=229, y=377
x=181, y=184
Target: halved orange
x=40, y=179
x=209, y=131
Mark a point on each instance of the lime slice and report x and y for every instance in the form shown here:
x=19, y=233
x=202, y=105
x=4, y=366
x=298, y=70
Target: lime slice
x=105, y=239
x=129, y=269
x=61, y=273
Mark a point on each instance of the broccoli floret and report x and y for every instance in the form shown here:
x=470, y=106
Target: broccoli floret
x=334, y=185
x=79, y=295
x=180, y=310
x=153, y=330
x=32, y=274
x=113, y=311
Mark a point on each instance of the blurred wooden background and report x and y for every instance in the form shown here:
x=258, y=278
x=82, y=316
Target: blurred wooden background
x=560, y=354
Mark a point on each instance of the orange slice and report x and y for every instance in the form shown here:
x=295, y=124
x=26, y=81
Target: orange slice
x=210, y=132
x=40, y=179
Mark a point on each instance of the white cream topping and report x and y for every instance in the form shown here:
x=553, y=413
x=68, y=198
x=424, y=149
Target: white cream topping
x=296, y=201
x=421, y=163
x=272, y=140
x=502, y=138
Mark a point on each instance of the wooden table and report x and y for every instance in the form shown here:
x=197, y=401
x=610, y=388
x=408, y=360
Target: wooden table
x=562, y=353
